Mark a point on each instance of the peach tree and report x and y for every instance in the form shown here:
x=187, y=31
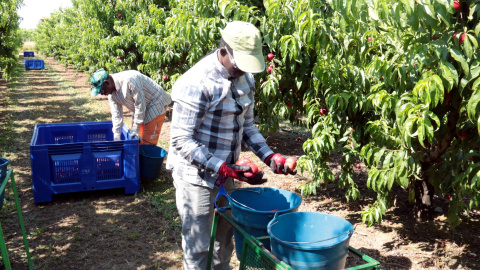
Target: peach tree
x=10, y=38
x=394, y=84
x=158, y=38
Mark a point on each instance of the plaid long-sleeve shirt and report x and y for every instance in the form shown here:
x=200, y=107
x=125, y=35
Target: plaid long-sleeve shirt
x=211, y=117
x=141, y=95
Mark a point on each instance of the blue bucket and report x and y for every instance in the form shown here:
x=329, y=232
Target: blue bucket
x=253, y=208
x=309, y=240
x=3, y=173
x=151, y=160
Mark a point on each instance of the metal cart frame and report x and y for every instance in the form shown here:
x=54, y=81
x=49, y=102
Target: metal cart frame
x=253, y=250
x=3, y=246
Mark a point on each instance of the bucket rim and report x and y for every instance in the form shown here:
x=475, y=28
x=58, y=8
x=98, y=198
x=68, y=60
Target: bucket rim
x=4, y=161
x=163, y=152
x=251, y=210
x=296, y=245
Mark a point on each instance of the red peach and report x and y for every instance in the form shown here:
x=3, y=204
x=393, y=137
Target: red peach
x=457, y=5
x=253, y=171
x=270, y=57
x=291, y=163
x=243, y=161
x=279, y=159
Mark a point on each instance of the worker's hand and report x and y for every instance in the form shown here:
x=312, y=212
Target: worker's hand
x=237, y=172
x=281, y=165
x=134, y=135
x=116, y=137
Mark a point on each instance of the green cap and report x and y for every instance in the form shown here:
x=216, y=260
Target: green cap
x=246, y=43
x=97, y=80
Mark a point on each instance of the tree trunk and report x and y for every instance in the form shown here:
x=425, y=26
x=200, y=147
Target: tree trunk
x=423, y=200
x=423, y=189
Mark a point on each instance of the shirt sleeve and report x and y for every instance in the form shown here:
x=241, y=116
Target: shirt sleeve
x=252, y=137
x=117, y=116
x=188, y=112
x=139, y=113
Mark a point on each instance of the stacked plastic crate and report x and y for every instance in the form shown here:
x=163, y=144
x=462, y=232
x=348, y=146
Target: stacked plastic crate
x=32, y=63
x=74, y=157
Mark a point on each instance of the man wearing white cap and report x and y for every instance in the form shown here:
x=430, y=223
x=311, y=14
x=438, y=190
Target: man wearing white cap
x=212, y=115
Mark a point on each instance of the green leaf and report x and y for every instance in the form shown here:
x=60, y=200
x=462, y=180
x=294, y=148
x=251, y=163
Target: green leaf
x=378, y=155
x=472, y=106
x=468, y=47
x=435, y=118
x=372, y=175
x=473, y=40
x=407, y=5
x=447, y=76
x=376, y=177
x=463, y=84
x=452, y=70
x=478, y=125
x=474, y=73
x=460, y=59
x=403, y=181
x=411, y=195
x=386, y=161
x=364, y=150
x=369, y=155
x=476, y=85
x=421, y=130
x=408, y=128
x=460, y=177
x=474, y=8
x=428, y=16
x=428, y=128
x=436, y=90
x=390, y=180
x=453, y=217
x=441, y=6
x=421, y=90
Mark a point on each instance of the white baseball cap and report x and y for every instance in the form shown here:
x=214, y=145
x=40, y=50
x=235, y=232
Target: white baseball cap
x=246, y=42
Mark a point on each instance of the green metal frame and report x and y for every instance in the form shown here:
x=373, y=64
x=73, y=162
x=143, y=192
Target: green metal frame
x=254, y=244
x=3, y=247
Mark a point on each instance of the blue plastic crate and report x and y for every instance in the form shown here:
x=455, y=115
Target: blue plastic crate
x=34, y=64
x=28, y=54
x=74, y=157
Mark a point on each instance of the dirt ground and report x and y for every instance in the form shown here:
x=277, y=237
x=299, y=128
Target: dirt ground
x=111, y=230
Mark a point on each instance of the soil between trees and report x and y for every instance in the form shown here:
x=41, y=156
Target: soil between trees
x=110, y=230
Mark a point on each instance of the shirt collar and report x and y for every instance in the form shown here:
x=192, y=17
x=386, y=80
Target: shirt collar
x=117, y=83
x=222, y=70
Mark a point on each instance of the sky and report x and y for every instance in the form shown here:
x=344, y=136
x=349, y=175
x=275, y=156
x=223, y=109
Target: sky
x=33, y=10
